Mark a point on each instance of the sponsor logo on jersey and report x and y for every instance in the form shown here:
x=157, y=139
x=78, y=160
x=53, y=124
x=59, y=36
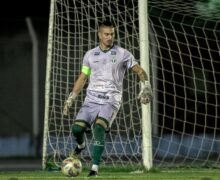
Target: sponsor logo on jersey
x=103, y=96
x=96, y=53
x=113, y=52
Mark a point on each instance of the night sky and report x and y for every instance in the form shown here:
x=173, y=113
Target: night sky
x=24, y=8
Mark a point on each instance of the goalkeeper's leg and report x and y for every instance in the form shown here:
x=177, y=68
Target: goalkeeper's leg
x=100, y=127
x=78, y=130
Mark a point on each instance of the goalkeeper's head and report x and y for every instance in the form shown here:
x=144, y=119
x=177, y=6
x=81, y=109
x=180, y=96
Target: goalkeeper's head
x=106, y=33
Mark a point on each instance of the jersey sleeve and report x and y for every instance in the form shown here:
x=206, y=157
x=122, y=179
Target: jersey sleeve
x=129, y=60
x=85, y=65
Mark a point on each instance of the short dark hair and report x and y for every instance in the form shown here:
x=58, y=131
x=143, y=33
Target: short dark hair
x=106, y=23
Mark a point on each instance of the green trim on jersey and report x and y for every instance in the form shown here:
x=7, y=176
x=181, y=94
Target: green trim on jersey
x=86, y=70
x=105, y=51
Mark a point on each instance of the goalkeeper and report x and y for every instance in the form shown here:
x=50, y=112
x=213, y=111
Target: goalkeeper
x=104, y=66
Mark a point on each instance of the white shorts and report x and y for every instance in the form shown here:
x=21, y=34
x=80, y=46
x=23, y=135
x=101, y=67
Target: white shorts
x=90, y=111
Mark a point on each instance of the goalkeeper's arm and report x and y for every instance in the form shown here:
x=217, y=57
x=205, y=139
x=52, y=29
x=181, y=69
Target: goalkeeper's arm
x=145, y=94
x=78, y=86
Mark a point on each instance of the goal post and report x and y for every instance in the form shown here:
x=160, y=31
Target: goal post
x=144, y=62
x=48, y=84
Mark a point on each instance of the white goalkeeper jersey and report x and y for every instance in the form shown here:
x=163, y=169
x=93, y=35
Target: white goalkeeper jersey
x=107, y=71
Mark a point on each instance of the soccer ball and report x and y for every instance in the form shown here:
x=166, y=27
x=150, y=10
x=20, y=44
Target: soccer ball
x=71, y=167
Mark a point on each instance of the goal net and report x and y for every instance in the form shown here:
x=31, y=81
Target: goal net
x=184, y=60
x=185, y=63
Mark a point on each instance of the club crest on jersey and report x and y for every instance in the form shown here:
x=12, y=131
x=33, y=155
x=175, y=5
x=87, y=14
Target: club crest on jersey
x=96, y=53
x=113, y=60
x=113, y=52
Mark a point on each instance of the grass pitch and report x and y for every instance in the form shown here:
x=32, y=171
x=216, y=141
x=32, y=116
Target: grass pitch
x=108, y=174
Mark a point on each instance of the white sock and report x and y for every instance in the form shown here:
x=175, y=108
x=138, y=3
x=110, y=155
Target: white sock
x=95, y=167
x=81, y=146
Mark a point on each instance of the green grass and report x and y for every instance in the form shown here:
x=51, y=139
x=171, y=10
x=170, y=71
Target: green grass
x=107, y=174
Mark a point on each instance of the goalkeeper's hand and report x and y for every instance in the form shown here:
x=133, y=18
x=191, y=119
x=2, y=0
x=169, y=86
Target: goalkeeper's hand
x=68, y=103
x=145, y=94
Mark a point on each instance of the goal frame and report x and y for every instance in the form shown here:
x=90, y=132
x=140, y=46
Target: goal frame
x=144, y=56
x=144, y=62
x=47, y=82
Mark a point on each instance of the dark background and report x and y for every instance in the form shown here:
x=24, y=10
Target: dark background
x=20, y=9
x=16, y=126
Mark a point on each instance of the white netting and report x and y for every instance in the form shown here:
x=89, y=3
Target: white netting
x=185, y=65
x=184, y=59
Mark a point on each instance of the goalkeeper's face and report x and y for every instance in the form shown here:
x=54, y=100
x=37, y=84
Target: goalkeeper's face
x=106, y=36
